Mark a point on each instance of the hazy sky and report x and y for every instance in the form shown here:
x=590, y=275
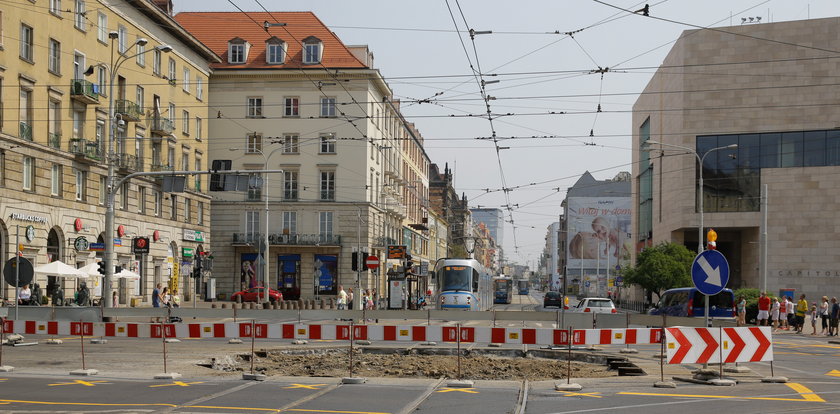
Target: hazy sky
x=542, y=72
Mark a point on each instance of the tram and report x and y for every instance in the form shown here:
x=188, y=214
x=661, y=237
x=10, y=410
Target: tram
x=502, y=290
x=463, y=284
x=523, y=286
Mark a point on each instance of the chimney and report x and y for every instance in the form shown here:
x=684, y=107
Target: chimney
x=165, y=5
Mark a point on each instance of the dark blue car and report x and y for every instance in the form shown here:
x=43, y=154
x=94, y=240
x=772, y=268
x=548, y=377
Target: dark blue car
x=690, y=302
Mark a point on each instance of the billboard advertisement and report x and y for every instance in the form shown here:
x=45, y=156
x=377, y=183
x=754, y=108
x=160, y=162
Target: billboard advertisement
x=598, y=233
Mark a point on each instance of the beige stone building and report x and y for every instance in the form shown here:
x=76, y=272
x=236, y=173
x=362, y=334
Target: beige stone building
x=769, y=89
x=55, y=78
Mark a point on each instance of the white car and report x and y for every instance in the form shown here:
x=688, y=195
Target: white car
x=595, y=305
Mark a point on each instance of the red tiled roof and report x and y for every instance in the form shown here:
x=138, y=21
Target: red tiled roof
x=215, y=29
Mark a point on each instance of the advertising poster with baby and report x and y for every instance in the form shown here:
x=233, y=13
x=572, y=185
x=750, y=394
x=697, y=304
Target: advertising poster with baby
x=599, y=232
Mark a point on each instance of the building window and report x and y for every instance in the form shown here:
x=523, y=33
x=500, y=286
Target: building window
x=327, y=186
x=140, y=95
x=101, y=81
x=54, y=123
x=2, y=168
x=28, y=174
x=327, y=143
x=185, y=82
x=290, y=144
x=198, y=168
x=123, y=195
x=172, y=116
x=156, y=62
x=102, y=30
x=255, y=187
x=254, y=108
x=253, y=144
x=26, y=36
x=172, y=71
x=54, y=62
x=186, y=117
x=236, y=52
x=292, y=106
x=55, y=180
x=122, y=40
x=141, y=200
x=187, y=210
x=55, y=7
x=327, y=107
x=289, y=222
x=311, y=51
x=325, y=223
x=199, y=88
x=80, y=15
x=198, y=130
x=103, y=189
x=290, y=185
x=158, y=203
x=173, y=207
x=252, y=224
x=199, y=212
x=141, y=55
x=276, y=51
x=78, y=121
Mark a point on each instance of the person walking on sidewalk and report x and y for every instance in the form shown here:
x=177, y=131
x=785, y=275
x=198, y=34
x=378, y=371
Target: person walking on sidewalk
x=789, y=308
x=835, y=317
x=774, y=313
x=813, y=315
x=823, y=311
x=763, y=309
x=800, y=311
x=742, y=311
x=342, y=298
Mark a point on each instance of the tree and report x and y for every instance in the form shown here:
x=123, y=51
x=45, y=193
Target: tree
x=665, y=266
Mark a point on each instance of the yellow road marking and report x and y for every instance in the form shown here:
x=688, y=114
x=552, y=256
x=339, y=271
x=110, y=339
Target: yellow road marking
x=807, y=395
x=178, y=383
x=308, y=387
x=81, y=382
x=183, y=406
x=833, y=373
x=300, y=410
x=87, y=404
x=466, y=390
x=581, y=394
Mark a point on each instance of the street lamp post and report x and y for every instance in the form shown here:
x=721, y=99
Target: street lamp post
x=265, y=236
x=112, y=128
x=700, y=159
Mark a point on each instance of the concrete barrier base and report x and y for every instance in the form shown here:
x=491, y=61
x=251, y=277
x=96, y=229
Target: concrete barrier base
x=775, y=380
x=567, y=387
x=664, y=384
x=168, y=375
x=84, y=372
x=628, y=351
x=430, y=343
x=99, y=341
x=460, y=384
x=362, y=342
x=235, y=341
x=6, y=368
x=253, y=377
x=53, y=341
x=300, y=342
x=171, y=340
x=737, y=369
x=720, y=382
x=353, y=380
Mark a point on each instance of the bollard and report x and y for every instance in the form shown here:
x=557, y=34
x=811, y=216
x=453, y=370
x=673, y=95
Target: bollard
x=3, y=368
x=239, y=299
x=323, y=304
x=224, y=305
x=300, y=304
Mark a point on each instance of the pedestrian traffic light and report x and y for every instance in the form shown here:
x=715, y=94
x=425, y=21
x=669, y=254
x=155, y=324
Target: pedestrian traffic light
x=711, y=239
x=355, y=265
x=100, y=267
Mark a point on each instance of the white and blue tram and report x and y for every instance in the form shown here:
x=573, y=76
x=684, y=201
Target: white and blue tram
x=463, y=284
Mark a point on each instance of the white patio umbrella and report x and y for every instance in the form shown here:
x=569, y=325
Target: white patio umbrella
x=127, y=274
x=91, y=269
x=59, y=269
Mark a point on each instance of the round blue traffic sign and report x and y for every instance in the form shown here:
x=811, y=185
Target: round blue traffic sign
x=710, y=272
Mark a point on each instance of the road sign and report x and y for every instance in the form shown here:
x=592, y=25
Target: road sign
x=396, y=252
x=24, y=275
x=710, y=272
x=372, y=262
x=586, y=284
x=618, y=280
x=709, y=345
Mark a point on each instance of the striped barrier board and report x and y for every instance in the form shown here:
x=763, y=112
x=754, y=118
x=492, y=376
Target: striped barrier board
x=397, y=333
x=711, y=345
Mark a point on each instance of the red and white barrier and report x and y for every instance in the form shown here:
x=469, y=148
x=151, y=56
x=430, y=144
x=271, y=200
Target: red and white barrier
x=711, y=345
x=397, y=333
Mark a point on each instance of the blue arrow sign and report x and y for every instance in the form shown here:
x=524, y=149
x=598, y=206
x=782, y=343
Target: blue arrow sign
x=710, y=272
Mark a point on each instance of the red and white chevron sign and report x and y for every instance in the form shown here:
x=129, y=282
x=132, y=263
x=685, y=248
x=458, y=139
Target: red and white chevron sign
x=710, y=345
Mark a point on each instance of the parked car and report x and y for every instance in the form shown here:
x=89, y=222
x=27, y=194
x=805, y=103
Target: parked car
x=595, y=305
x=553, y=299
x=250, y=295
x=690, y=302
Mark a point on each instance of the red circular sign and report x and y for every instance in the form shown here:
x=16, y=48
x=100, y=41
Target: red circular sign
x=372, y=262
x=140, y=242
x=77, y=224
x=156, y=235
x=121, y=230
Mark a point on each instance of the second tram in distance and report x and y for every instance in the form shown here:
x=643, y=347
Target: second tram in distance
x=463, y=284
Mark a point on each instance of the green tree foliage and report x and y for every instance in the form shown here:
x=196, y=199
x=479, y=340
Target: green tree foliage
x=665, y=266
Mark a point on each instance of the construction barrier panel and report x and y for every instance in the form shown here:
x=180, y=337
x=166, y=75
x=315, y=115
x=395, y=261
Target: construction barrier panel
x=686, y=345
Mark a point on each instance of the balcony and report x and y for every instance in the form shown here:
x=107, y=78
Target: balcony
x=25, y=131
x=129, y=163
x=161, y=167
x=279, y=239
x=85, y=150
x=54, y=140
x=129, y=111
x=161, y=126
x=84, y=91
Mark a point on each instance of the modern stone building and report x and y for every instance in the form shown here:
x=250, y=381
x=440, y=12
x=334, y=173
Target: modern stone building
x=768, y=89
x=56, y=65
x=494, y=219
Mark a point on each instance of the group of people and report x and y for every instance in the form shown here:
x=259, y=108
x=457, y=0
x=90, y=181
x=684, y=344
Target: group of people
x=785, y=315
x=163, y=297
x=344, y=299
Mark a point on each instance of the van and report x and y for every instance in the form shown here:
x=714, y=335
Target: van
x=690, y=302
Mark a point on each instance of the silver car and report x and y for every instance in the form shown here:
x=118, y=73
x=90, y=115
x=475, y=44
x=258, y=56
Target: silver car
x=595, y=305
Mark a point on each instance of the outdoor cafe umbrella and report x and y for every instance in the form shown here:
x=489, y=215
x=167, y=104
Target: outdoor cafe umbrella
x=60, y=269
x=127, y=274
x=91, y=269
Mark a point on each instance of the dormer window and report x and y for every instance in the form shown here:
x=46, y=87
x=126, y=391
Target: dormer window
x=312, y=50
x=275, y=51
x=237, y=50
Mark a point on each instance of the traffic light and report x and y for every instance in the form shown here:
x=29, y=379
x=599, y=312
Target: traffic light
x=100, y=267
x=364, y=260
x=355, y=265
x=409, y=263
x=711, y=239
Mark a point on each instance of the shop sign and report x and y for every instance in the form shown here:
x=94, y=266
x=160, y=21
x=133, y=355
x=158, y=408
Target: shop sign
x=81, y=244
x=28, y=217
x=187, y=252
x=193, y=235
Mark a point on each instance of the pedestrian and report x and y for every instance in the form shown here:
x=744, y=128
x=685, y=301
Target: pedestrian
x=742, y=311
x=835, y=316
x=789, y=311
x=800, y=311
x=774, y=313
x=350, y=299
x=369, y=302
x=115, y=301
x=763, y=309
x=24, y=295
x=824, y=309
x=176, y=300
x=342, y=298
x=375, y=299
x=156, y=296
x=165, y=298
x=813, y=315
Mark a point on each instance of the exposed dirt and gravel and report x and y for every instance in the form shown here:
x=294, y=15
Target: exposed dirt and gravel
x=336, y=363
